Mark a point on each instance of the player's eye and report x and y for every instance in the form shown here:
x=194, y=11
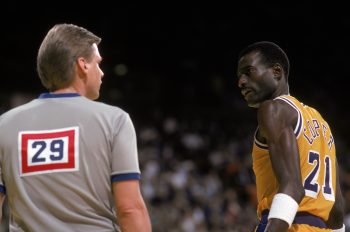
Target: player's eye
x=250, y=70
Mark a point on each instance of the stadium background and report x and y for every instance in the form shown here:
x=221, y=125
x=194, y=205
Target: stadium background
x=172, y=67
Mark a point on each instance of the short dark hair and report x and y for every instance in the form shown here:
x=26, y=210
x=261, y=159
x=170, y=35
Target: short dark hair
x=270, y=53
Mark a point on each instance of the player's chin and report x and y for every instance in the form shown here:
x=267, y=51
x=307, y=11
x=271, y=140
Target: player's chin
x=253, y=103
x=248, y=99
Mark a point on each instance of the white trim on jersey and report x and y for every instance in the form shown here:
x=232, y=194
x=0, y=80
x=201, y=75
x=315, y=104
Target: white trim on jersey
x=299, y=125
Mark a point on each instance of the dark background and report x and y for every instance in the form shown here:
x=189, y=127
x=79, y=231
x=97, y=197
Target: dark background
x=181, y=57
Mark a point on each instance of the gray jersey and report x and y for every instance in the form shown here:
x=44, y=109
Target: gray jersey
x=58, y=157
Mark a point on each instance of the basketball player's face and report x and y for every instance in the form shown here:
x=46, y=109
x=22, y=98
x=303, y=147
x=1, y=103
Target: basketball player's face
x=255, y=79
x=95, y=75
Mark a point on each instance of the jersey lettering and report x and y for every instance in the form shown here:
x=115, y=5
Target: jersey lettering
x=311, y=184
x=48, y=151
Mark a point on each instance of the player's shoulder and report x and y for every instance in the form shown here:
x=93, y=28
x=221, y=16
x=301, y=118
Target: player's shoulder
x=290, y=100
x=273, y=106
x=287, y=103
x=280, y=107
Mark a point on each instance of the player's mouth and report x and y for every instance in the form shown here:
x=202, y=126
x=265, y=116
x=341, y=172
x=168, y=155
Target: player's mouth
x=246, y=91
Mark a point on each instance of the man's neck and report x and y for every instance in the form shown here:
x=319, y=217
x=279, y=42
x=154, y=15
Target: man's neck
x=70, y=89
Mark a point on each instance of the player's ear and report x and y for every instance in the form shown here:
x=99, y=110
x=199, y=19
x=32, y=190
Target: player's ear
x=277, y=71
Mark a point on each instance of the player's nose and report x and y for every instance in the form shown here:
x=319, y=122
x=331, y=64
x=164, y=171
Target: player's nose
x=242, y=80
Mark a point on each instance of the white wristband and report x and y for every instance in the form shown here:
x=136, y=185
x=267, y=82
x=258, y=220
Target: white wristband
x=283, y=207
x=340, y=230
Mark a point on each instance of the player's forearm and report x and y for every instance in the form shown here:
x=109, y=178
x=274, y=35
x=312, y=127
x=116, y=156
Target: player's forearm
x=2, y=199
x=135, y=220
x=276, y=225
x=336, y=216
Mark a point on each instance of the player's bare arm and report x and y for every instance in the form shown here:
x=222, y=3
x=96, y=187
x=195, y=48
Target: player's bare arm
x=2, y=199
x=276, y=126
x=336, y=216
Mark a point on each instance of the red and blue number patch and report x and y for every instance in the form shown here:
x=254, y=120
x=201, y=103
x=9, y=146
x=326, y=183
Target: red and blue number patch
x=48, y=151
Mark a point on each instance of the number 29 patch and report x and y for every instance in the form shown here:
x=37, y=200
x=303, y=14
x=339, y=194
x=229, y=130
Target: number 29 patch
x=48, y=151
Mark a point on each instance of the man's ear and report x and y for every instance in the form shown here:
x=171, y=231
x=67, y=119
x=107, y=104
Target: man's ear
x=82, y=64
x=277, y=71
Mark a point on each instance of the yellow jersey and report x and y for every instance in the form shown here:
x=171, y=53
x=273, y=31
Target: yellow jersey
x=317, y=163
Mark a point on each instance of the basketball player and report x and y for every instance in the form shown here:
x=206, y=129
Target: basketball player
x=69, y=163
x=294, y=156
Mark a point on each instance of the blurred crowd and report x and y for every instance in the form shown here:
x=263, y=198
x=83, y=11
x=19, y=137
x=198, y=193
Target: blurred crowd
x=196, y=168
x=196, y=177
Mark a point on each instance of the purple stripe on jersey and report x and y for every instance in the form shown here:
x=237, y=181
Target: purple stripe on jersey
x=300, y=218
x=2, y=189
x=297, y=132
x=126, y=176
x=58, y=95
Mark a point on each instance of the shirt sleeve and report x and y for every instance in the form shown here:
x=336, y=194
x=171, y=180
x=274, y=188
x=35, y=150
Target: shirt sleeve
x=125, y=163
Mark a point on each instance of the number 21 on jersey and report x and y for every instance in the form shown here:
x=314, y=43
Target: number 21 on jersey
x=311, y=183
x=48, y=151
